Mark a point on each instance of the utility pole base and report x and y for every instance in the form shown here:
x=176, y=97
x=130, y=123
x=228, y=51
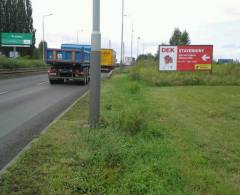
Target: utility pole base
x=95, y=85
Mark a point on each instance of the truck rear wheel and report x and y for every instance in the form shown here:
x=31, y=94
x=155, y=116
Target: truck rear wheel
x=88, y=79
x=83, y=82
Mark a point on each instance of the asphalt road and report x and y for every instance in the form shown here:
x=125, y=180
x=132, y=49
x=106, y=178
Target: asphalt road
x=27, y=106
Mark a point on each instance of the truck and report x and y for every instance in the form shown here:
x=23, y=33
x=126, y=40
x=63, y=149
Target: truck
x=108, y=59
x=108, y=56
x=71, y=62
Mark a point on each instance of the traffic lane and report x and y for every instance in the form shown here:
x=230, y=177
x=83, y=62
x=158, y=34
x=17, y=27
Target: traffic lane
x=20, y=106
x=13, y=84
x=28, y=107
x=14, y=91
x=16, y=84
x=32, y=123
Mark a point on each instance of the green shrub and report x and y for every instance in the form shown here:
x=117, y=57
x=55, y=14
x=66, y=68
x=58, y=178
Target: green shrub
x=135, y=76
x=114, y=154
x=134, y=87
x=191, y=81
x=132, y=119
x=25, y=62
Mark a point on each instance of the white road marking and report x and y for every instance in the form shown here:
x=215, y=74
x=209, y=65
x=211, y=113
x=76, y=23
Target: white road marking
x=42, y=83
x=3, y=92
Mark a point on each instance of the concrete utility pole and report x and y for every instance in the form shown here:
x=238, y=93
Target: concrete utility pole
x=43, y=29
x=95, y=69
x=121, y=62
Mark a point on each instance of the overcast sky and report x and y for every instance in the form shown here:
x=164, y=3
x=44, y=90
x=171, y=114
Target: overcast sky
x=214, y=22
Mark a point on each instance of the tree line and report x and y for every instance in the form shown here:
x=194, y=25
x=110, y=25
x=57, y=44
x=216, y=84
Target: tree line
x=179, y=38
x=16, y=17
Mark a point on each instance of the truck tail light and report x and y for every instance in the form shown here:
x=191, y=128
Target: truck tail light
x=52, y=72
x=79, y=72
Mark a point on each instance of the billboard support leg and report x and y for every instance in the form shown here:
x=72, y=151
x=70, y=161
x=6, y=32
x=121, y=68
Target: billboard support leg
x=15, y=51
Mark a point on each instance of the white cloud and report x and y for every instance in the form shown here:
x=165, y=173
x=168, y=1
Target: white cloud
x=154, y=21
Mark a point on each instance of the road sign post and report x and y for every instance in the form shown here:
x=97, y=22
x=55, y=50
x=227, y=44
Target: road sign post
x=15, y=51
x=95, y=69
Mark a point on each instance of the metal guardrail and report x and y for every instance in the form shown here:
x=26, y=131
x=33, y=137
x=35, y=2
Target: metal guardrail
x=12, y=72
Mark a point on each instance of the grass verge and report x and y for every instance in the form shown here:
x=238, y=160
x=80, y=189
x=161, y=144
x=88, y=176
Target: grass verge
x=151, y=140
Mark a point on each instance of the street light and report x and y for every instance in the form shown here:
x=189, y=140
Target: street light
x=95, y=69
x=143, y=48
x=132, y=43
x=43, y=27
x=131, y=35
x=138, y=45
x=78, y=35
x=121, y=62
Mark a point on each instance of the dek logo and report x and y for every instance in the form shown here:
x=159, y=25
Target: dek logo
x=168, y=50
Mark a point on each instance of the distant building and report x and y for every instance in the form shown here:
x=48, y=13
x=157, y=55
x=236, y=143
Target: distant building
x=129, y=61
x=225, y=61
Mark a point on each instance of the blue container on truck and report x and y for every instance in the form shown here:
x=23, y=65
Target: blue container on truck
x=76, y=46
x=68, y=63
x=108, y=56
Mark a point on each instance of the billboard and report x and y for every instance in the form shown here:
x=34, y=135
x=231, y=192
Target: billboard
x=185, y=57
x=16, y=39
x=225, y=61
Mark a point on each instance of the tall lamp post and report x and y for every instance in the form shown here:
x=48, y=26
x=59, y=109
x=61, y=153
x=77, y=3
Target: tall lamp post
x=95, y=69
x=43, y=27
x=143, y=48
x=121, y=62
x=132, y=43
x=131, y=36
x=132, y=31
x=81, y=31
x=138, y=45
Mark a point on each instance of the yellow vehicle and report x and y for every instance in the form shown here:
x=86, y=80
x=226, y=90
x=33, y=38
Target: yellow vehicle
x=108, y=59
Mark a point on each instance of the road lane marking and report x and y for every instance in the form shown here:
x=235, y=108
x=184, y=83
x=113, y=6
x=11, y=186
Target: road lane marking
x=42, y=83
x=3, y=92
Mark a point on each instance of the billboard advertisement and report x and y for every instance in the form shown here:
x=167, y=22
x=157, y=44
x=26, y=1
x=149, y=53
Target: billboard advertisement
x=16, y=39
x=185, y=57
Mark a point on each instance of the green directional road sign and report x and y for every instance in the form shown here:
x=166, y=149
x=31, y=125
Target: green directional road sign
x=16, y=39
